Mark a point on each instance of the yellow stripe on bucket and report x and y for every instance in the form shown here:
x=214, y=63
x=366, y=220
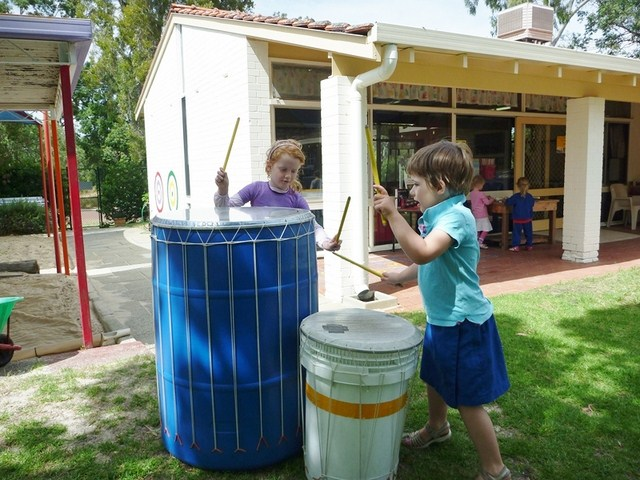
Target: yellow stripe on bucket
x=362, y=411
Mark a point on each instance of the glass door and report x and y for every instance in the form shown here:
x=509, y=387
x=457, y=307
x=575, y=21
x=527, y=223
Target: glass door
x=540, y=156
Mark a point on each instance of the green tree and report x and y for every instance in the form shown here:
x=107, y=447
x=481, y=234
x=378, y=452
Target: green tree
x=611, y=27
x=20, y=170
x=125, y=176
x=126, y=35
x=44, y=8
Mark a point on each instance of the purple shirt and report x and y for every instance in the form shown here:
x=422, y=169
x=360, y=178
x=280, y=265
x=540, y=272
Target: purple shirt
x=259, y=194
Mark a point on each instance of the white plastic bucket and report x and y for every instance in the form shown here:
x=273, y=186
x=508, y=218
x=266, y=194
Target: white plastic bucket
x=358, y=366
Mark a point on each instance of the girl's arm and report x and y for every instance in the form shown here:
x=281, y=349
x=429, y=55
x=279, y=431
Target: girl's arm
x=221, y=197
x=406, y=274
x=227, y=201
x=419, y=250
x=222, y=181
x=323, y=240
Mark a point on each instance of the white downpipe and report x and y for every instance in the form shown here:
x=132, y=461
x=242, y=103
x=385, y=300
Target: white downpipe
x=359, y=174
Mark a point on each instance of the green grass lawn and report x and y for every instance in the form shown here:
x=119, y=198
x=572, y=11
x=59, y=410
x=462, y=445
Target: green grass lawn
x=573, y=411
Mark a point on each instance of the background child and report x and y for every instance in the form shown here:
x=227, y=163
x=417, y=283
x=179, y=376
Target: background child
x=479, y=201
x=284, y=160
x=521, y=215
x=462, y=361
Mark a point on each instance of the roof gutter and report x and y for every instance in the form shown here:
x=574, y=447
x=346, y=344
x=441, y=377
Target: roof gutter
x=359, y=171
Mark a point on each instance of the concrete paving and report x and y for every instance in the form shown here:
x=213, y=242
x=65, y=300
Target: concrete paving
x=118, y=264
x=120, y=276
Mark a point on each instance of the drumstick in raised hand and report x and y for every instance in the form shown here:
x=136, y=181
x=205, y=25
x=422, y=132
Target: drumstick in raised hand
x=344, y=216
x=374, y=165
x=233, y=137
x=364, y=267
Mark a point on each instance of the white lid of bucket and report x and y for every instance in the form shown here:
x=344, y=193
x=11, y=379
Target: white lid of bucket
x=362, y=330
x=230, y=217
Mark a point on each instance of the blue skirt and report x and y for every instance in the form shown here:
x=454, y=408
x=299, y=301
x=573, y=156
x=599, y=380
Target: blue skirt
x=465, y=364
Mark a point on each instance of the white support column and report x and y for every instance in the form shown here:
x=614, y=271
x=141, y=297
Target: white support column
x=261, y=124
x=583, y=179
x=337, y=183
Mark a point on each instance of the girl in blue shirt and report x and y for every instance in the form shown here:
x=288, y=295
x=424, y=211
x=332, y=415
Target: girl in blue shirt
x=462, y=361
x=521, y=204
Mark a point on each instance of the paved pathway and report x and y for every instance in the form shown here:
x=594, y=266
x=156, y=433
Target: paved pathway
x=120, y=281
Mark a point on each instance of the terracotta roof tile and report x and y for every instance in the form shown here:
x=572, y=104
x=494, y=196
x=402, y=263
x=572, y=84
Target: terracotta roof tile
x=286, y=21
x=337, y=27
x=302, y=22
x=237, y=15
x=319, y=25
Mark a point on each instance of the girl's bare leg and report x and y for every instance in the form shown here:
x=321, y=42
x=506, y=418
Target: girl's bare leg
x=437, y=428
x=437, y=409
x=483, y=436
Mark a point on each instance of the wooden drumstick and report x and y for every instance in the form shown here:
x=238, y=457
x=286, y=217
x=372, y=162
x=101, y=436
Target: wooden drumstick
x=233, y=137
x=374, y=165
x=344, y=216
x=364, y=267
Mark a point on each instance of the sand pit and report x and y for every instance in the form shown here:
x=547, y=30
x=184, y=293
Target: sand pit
x=48, y=319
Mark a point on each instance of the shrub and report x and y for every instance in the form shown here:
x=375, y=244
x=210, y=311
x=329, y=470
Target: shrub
x=21, y=218
x=122, y=187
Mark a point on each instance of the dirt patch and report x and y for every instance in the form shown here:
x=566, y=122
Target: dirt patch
x=49, y=316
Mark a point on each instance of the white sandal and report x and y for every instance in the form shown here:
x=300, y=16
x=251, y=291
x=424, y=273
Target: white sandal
x=416, y=440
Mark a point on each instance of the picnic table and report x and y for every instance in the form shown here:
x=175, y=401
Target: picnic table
x=541, y=205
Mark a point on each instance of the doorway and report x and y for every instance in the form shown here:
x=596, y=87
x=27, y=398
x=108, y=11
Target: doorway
x=540, y=156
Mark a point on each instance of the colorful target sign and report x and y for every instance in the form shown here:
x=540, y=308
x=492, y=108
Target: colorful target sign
x=172, y=191
x=158, y=189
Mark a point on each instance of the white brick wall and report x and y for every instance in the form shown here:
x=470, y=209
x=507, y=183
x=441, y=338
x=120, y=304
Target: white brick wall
x=583, y=179
x=216, y=84
x=260, y=120
x=163, y=130
x=337, y=184
x=225, y=77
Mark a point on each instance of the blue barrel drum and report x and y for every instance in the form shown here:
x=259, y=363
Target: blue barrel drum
x=230, y=289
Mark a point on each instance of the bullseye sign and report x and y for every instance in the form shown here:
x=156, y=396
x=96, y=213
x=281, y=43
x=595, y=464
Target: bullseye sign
x=158, y=188
x=172, y=191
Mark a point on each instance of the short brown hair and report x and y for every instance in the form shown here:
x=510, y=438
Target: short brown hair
x=451, y=163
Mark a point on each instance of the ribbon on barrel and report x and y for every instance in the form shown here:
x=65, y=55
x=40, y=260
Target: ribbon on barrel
x=361, y=411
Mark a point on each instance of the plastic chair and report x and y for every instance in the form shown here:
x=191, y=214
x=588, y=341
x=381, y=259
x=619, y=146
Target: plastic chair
x=620, y=200
x=635, y=208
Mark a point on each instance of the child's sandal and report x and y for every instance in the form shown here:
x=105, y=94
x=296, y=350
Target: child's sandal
x=415, y=439
x=504, y=474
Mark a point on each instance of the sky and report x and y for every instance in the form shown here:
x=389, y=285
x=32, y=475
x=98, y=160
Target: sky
x=443, y=15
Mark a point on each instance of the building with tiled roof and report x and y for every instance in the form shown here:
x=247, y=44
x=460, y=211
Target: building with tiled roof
x=525, y=109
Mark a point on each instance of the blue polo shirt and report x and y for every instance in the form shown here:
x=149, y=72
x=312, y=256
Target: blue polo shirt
x=450, y=285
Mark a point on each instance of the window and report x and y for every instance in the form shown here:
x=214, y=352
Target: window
x=303, y=125
x=545, y=104
x=398, y=135
x=490, y=140
x=297, y=82
x=486, y=99
x=616, y=138
x=408, y=94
